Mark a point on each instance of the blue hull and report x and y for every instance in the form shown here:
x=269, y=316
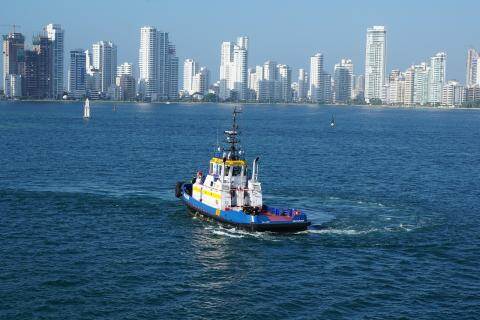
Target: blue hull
x=242, y=220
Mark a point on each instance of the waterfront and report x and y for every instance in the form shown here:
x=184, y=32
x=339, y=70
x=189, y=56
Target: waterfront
x=90, y=227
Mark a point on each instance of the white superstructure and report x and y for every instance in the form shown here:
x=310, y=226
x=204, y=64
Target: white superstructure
x=226, y=185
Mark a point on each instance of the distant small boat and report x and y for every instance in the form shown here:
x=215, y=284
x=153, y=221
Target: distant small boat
x=332, y=122
x=86, y=109
x=168, y=102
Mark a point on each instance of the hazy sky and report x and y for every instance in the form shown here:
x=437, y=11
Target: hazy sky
x=284, y=31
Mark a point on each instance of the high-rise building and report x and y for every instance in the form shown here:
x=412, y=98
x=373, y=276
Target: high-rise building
x=234, y=69
x=285, y=82
x=225, y=69
x=396, y=88
x=56, y=35
x=320, y=82
x=37, y=83
x=158, y=66
x=148, y=63
x=240, y=70
x=472, y=68
x=343, y=81
x=375, y=62
x=125, y=68
x=104, y=56
x=436, y=77
x=77, y=74
x=302, y=85
x=358, y=92
x=200, y=81
x=13, y=62
x=189, y=71
x=453, y=94
x=420, y=84
x=409, y=92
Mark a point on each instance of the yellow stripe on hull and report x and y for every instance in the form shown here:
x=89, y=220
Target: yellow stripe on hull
x=207, y=193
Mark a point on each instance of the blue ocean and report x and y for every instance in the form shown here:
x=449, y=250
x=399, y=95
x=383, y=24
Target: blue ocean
x=90, y=227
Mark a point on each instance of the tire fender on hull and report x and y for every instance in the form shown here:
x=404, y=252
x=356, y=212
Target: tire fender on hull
x=178, y=189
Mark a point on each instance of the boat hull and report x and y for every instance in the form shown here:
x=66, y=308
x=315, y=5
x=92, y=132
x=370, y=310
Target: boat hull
x=241, y=220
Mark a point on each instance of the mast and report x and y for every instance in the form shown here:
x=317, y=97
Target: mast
x=232, y=138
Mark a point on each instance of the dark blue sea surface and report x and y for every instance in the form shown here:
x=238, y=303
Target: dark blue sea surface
x=90, y=227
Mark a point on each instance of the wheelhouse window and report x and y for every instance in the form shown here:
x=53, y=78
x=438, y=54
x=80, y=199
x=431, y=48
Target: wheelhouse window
x=237, y=170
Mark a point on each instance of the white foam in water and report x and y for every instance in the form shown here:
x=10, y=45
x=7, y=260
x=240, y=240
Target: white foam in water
x=349, y=232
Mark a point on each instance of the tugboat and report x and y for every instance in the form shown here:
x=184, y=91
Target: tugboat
x=229, y=195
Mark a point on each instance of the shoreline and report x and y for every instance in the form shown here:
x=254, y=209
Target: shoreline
x=238, y=103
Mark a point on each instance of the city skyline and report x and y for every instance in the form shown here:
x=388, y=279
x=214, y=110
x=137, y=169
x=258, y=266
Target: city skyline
x=333, y=38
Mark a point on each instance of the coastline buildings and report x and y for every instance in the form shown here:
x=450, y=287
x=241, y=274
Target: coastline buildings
x=158, y=66
x=104, y=59
x=436, y=78
x=234, y=70
x=125, y=84
x=77, y=74
x=320, y=82
x=342, y=82
x=55, y=34
x=37, y=82
x=13, y=64
x=195, y=79
x=473, y=68
x=375, y=62
x=302, y=85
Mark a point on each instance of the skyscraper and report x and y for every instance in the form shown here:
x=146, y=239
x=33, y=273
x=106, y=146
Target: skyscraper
x=285, y=82
x=77, y=74
x=409, y=86
x=436, y=77
x=302, y=85
x=148, y=63
x=200, y=81
x=225, y=69
x=189, y=71
x=105, y=61
x=343, y=81
x=234, y=69
x=158, y=66
x=320, y=81
x=125, y=68
x=375, y=62
x=56, y=35
x=472, y=68
x=13, y=62
x=240, y=68
x=38, y=69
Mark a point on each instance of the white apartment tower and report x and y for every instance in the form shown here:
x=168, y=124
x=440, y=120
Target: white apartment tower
x=56, y=35
x=105, y=61
x=148, y=63
x=158, y=66
x=375, y=62
x=189, y=71
x=285, y=82
x=473, y=68
x=125, y=69
x=234, y=69
x=436, y=77
x=320, y=82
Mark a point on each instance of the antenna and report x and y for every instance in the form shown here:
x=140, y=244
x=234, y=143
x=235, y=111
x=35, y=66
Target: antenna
x=13, y=26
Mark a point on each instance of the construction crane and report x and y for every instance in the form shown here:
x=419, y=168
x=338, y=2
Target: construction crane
x=13, y=26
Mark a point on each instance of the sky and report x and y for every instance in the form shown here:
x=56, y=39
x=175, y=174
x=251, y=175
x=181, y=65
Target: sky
x=287, y=32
